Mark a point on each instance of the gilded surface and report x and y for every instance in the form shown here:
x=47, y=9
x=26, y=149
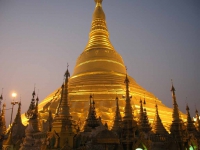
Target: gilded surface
x=100, y=71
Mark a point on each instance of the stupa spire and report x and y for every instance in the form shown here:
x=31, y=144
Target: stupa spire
x=17, y=119
x=190, y=123
x=18, y=129
x=32, y=112
x=157, y=126
x=64, y=103
x=99, y=36
x=129, y=125
x=197, y=123
x=63, y=117
x=175, y=114
x=128, y=108
x=86, y=128
x=144, y=122
x=118, y=119
x=92, y=120
x=177, y=126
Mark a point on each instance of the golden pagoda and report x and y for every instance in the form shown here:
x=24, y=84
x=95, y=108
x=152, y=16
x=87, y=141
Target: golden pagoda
x=100, y=71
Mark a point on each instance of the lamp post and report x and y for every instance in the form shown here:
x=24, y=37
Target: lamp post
x=13, y=103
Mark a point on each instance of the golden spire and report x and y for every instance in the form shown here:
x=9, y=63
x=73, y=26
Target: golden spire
x=118, y=119
x=99, y=36
x=98, y=1
x=64, y=104
x=157, y=125
x=63, y=117
x=128, y=108
x=176, y=127
x=129, y=125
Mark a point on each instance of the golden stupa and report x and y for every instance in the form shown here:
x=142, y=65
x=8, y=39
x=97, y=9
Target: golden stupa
x=100, y=71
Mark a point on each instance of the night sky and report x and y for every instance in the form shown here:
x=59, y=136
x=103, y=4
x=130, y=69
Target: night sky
x=158, y=40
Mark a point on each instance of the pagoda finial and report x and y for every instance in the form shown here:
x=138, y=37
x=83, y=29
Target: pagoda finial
x=99, y=35
x=36, y=107
x=29, y=114
x=172, y=89
x=157, y=126
x=92, y=120
x=67, y=74
x=175, y=114
x=128, y=108
x=190, y=123
x=63, y=117
x=98, y=1
x=126, y=79
x=117, y=119
x=144, y=100
x=33, y=94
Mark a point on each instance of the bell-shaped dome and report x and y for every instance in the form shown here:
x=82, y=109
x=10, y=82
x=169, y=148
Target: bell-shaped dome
x=100, y=71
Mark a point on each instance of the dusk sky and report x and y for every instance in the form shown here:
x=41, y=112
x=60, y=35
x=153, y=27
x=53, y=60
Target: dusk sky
x=159, y=40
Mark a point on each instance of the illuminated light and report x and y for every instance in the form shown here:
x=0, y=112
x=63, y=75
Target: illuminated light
x=14, y=94
x=191, y=148
x=138, y=149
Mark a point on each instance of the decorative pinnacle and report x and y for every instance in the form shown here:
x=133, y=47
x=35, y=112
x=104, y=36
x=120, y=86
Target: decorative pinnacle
x=187, y=107
x=140, y=101
x=1, y=97
x=98, y=1
x=37, y=99
x=67, y=74
x=33, y=94
x=90, y=99
x=172, y=89
x=126, y=79
x=144, y=100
